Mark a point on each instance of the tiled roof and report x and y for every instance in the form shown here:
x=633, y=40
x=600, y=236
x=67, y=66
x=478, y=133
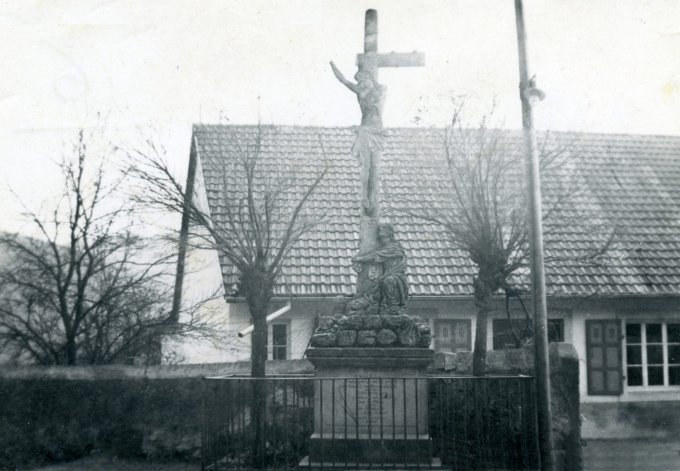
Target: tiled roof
x=630, y=182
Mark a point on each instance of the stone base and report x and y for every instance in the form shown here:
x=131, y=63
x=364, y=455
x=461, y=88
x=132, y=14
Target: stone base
x=330, y=362
x=435, y=463
x=363, y=394
x=411, y=449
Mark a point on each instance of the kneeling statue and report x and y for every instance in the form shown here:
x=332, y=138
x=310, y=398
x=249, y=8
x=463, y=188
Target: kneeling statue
x=392, y=284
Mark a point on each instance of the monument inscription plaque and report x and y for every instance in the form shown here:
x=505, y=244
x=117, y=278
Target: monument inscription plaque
x=371, y=407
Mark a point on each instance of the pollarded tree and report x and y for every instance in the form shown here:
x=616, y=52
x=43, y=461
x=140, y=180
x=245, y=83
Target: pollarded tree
x=483, y=211
x=85, y=289
x=264, y=212
x=263, y=203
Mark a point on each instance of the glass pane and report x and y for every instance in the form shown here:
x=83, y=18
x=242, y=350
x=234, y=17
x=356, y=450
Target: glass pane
x=612, y=357
x=503, y=335
x=279, y=334
x=613, y=381
x=596, y=333
x=673, y=333
x=674, y=375
x=674, y=354
x=634, y=354
x=633, y=333
x=596, y=359
x=634, y=376
x=655, y=375
x=555, y=330
x=279, y=353
x=597, y=381
x=654, y=354
x=653, y=333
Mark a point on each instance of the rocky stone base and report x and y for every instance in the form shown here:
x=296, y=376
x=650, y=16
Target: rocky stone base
x=375, y=330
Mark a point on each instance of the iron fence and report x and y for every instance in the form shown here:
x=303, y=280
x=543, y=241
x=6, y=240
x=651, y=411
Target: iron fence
x=457, y=423
x=484, y=422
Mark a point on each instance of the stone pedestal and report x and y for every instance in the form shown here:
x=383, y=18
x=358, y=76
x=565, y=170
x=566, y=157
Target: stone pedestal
x=370, y=407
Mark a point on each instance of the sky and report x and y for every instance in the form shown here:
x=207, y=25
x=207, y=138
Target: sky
x=157, y=66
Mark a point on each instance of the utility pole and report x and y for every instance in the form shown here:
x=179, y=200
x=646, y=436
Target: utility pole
x=528, y=95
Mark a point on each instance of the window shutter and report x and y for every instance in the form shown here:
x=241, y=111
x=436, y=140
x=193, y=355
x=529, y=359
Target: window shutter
x=603, y=343
x=452, y=335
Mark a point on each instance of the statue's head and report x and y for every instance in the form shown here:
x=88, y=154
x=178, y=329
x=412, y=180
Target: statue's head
x=385, y=232
x=363, y=77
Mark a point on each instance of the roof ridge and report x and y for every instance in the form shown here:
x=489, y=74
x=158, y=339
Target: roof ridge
x=438, y=128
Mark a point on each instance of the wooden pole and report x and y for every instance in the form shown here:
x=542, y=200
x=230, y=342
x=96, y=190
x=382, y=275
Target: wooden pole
x=184, y=235
x=527, y=94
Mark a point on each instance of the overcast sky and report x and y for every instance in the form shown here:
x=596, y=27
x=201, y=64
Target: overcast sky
x=605, y=65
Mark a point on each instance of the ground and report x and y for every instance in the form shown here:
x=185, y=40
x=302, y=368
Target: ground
x=105, y=463
x=598, y=455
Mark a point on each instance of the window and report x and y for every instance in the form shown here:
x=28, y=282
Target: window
x=515, y=333
x=452, y=335
x=555, y=330
x=652, y=354
x=279, y=341
x=603, y=357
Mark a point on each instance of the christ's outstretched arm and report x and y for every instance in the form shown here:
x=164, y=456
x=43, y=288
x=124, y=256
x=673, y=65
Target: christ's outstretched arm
x=343, y=80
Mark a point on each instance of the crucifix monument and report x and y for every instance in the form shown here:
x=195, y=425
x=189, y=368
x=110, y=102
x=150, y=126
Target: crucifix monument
x=378, y=313
x=371, y=343
x=370, y=137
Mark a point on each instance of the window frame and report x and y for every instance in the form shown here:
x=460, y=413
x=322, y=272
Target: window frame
x=644, y=363
x=270, y=340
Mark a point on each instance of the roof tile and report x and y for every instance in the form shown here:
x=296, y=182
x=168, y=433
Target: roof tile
x=631, y=184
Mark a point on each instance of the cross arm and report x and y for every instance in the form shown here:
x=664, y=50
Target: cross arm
x=392, y=59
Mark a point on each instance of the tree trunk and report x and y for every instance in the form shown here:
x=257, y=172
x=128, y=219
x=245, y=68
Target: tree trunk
x=479, y=354
x=257, y=287
x=258, y=348
x=71, y=357
x=258, y=294
x=484, y=286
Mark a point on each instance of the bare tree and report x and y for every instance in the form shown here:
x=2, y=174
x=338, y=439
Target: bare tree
x=86, y=289
x=481, y=205
x=263, y=206
x=264, y=211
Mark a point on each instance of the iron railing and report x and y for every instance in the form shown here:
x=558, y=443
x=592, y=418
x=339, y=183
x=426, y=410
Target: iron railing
x=484, y=422
x=459, y=423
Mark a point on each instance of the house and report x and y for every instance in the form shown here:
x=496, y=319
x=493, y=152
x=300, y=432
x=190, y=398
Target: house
x=621, y=312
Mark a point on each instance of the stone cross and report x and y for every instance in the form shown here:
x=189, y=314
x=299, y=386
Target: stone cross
x=370, y=136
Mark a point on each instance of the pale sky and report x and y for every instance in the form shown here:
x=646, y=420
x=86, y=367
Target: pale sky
x=605, y=65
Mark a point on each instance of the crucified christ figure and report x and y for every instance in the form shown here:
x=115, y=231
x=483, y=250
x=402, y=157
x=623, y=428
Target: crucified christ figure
x=370, y=94
x=370, y=138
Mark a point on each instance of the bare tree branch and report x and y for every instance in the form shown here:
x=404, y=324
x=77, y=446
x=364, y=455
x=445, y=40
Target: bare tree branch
x=264, y=210
x=87, y=290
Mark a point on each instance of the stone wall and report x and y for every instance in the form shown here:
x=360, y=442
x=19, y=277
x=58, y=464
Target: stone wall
x=58, y=413
x=649, y=420
x=564, y=376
